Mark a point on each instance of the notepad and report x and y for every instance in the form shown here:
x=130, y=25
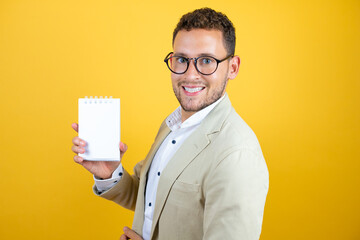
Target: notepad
x=99, y=126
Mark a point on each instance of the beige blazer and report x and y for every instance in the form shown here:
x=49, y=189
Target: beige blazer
x=214, y=187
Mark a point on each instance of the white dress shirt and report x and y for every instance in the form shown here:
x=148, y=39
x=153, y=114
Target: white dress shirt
x=179, y=133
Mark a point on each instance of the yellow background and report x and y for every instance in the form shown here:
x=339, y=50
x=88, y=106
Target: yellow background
x=298, y=88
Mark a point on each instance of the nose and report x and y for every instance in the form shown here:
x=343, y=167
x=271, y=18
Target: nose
x=191, y=72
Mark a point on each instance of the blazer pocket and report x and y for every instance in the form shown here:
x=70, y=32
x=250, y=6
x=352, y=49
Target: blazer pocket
x=185, y=195
x=186, y=187
x=182, y=216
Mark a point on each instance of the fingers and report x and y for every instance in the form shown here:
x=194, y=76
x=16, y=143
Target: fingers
x=78, y=146
x=78, y=159
x=123, y=237
x=77, y=149
x=75, y=126
x=131, y=234
x=78, y=142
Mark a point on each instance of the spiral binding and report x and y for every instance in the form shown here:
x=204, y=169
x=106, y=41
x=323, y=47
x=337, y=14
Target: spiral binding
x=98, y=100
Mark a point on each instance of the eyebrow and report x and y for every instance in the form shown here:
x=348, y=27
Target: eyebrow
x=200, y=55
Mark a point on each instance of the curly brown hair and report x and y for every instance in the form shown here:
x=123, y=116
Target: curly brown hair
x=207, y=18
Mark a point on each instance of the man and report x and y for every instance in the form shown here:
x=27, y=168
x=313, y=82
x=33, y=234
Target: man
x=205, y=176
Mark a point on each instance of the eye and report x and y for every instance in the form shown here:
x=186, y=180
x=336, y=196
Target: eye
x=206, y=60
x=180, y=60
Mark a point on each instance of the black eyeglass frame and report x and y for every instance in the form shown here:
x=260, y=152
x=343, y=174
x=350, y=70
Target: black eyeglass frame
x=166, y=60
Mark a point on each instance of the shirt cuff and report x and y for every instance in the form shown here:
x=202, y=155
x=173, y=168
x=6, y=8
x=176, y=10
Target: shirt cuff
x=105, y=184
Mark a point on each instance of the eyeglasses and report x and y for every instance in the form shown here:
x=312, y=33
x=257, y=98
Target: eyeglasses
x=205, y=65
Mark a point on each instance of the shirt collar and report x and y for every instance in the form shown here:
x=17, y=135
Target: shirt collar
x=174, y=120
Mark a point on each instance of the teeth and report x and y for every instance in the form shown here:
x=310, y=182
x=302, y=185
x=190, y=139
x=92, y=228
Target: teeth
x=192, y=90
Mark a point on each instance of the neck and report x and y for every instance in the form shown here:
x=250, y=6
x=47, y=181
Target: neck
x=185, y=115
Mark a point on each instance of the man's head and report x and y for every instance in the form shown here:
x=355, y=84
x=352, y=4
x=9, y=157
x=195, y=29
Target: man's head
x=202, y=39
x=206, y=18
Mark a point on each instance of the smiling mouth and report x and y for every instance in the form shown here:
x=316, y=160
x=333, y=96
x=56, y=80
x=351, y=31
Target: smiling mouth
x=193, y=89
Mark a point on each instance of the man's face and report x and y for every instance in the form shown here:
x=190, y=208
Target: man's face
x=193, y=90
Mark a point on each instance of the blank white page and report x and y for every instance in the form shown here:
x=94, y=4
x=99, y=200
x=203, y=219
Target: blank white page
x=99, y=126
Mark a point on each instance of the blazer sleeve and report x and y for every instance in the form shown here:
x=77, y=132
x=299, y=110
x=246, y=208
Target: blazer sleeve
x=235, y=195
x=125, y=191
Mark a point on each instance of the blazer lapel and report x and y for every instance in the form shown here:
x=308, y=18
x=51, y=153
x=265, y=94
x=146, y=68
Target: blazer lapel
x=195, y=144
x=174, y=168
x=140, y=202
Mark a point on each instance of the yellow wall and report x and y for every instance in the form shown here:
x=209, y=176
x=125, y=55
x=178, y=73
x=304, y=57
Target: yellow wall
x=298, y=88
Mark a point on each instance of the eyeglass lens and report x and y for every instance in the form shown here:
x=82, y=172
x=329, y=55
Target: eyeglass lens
x=205, y=65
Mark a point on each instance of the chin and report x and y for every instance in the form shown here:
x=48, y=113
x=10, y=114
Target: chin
x=193, y=107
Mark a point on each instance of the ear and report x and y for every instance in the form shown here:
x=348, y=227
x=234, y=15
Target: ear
x=234, y=67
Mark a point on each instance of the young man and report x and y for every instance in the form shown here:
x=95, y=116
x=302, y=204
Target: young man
x=205, y=176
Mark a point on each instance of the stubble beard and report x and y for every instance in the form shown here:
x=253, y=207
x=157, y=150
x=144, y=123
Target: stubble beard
x=186, y=102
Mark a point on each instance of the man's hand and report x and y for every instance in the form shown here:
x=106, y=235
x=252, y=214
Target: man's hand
x=130, y=234
x=101, y=169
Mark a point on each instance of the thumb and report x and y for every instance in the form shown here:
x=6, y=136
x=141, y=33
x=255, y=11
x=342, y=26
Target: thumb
x=123, y=147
